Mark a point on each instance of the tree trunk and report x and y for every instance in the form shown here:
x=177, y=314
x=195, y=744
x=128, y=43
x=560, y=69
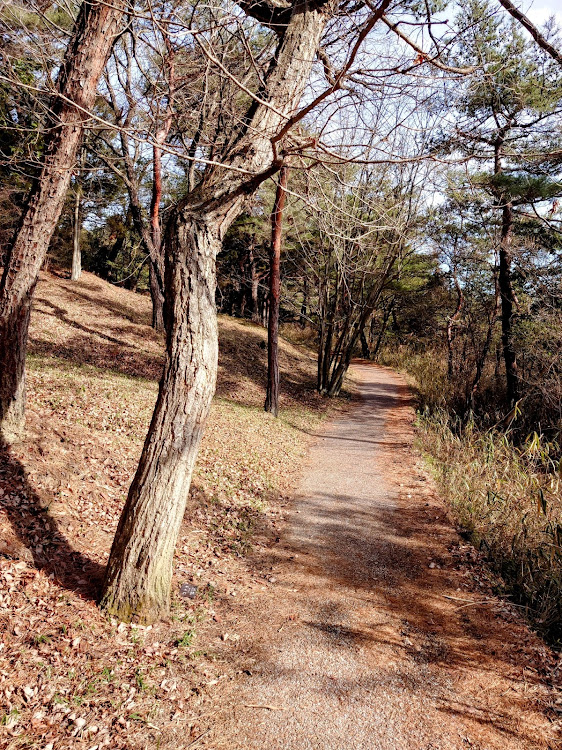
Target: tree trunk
x=321, y=335
x=157, y=261
x=157, y=298
x=85, y=58
x=348, y=338
x=255, y=285
x=243, y=295
x=304, y=304
x=481, y=362
x=508, y=303
x=76, y=270
x=386, y=318
x=450, y=326
x=139, y=571
x=331, y=302
x=150, y=237
x=365, y=353
x=497, y=366
x=137, y=584
x=272, y=396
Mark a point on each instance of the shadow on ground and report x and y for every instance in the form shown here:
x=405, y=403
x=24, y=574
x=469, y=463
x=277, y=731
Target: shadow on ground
x=382, y=583
x=96, y=335
x=38, y=538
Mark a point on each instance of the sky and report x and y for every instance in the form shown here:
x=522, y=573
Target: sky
x=539, y=10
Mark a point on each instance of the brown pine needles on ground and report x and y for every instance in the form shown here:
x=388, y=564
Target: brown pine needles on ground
x=69, y=677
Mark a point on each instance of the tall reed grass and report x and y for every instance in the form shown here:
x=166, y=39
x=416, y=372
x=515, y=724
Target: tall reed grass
x=507, y=497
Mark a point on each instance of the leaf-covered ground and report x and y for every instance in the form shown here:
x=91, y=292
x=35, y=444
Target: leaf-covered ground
x=69, y=676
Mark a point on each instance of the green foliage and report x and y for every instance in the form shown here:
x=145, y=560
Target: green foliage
x=521, y=187
x=186, y=639
x=140, y=680
x=42, y=638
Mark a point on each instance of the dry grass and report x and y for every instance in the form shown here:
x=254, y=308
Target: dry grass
x=69, y=677
x=508, y=499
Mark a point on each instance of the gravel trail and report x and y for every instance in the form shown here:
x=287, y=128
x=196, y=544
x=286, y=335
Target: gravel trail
x=373, y=633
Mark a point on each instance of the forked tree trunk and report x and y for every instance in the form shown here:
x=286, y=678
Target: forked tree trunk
x=137, y=584
x=507, y=296
x=139, y=571
x=85, y=58
x=272, y=395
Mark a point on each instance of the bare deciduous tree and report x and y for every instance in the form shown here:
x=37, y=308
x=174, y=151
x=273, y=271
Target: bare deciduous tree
x=138, y=577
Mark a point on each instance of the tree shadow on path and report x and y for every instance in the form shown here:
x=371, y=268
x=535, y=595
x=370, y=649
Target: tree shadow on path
x=387, y=628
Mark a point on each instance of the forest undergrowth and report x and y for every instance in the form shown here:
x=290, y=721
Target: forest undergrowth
x=83, y=679
x=505, y=494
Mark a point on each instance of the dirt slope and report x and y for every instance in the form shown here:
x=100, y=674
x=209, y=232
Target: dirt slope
x=377, y=635
x=69, y=677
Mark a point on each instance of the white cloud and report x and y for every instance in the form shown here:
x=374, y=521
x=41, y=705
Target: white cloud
x=539, y=11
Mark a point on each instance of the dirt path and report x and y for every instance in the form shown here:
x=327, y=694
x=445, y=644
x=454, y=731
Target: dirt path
x=372, y=633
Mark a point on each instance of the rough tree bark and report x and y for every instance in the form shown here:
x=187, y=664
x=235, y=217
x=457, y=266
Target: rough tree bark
x=138, y=575
x=157, y=298
x=272, y=396
x=93, y=35
x=138, y=578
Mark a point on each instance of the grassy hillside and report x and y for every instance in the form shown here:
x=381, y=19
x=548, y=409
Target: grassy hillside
x=69, y=677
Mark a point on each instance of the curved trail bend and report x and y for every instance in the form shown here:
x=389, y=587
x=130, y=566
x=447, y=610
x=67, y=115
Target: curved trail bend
x=373, y=634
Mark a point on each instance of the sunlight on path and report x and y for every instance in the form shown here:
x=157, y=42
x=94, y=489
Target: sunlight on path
x=372, y=653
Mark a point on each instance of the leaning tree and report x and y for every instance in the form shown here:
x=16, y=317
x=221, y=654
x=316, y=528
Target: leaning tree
x=138, y=577
x=93, y=35
x=256, y=132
